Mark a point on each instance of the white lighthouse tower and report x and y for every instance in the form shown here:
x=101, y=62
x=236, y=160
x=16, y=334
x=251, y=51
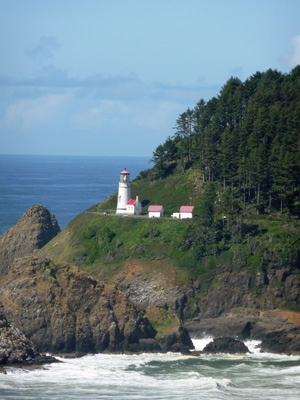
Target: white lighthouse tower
x=124, y=193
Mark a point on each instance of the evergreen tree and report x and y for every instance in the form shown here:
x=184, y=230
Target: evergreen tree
x=247, y=138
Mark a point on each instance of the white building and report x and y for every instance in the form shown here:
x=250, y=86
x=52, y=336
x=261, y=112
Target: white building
x=134, y=207
x=155, y=211
x=186, y=212
x=175, y=215
x=125, y=204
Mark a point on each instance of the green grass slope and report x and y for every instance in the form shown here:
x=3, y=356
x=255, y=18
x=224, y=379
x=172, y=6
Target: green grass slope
x=197, y=249
x=172, y=192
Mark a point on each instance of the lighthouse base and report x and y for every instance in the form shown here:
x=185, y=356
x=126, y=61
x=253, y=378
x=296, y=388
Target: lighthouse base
x=121, y=211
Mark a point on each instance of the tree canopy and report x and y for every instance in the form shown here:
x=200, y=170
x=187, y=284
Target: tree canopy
x=246, y=139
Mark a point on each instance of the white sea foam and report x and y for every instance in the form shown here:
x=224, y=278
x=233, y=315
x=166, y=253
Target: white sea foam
x=253, y=346
x=159, y=377
x=200, y=343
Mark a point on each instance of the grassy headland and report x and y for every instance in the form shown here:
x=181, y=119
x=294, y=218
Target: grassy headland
x=236, y=159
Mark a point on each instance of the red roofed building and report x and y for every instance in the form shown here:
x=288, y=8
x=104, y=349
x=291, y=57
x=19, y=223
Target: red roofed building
x=131, y=202
x=134, y=207
x=155, y=211
x=186, y=212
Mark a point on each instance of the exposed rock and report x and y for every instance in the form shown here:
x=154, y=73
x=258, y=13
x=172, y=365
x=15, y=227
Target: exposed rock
x=284, y=341
x=15, y=348
x=244, y=323
x=177, y=341
x=36, y=228
x=279, y=330
x=152, y=291
x=230, y=290
x=225, y=345
x=64, y=310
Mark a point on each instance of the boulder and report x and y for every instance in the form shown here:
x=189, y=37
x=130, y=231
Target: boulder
x=225, y=345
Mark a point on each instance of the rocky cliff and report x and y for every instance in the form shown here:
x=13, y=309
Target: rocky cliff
x=62, y=309
x=36, y=228
x=65, y=310
x=15, y=348
x=195, y=299
x=243, y=304
x=143, y=264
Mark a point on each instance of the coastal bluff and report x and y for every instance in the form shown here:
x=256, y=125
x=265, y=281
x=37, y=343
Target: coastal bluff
x=62, y=309
x=134, y=303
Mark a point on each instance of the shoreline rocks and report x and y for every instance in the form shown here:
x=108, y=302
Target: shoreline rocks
x=278, y=330
x=225, y=345
x=287, y=342
x=16, y=349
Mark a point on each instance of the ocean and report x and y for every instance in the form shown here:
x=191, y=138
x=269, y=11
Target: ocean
x=156, y=376
x=65, y=185
x=68, y=186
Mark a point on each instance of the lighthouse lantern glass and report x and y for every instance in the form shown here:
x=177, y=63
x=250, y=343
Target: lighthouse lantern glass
x=124, y=178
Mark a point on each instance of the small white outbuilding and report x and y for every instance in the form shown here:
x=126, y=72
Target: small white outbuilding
x=186, y=212
x=155, y=211
x=134, y=207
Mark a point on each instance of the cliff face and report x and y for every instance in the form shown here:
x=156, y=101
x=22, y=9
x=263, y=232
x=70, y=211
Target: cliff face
x=15, y=348
x=155, y=263
x=62, y=309
x=193, y=299
x=66, y=311
x=36, y=228
x=263, y=291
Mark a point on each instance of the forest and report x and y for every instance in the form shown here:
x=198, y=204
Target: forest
x=246, y=141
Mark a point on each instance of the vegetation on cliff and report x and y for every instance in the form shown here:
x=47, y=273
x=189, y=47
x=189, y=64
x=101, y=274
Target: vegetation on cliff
x=236, y=159
x=246, y=139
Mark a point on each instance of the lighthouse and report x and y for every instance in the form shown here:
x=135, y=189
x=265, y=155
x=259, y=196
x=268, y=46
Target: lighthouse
x=124, y=193
x=126, y=205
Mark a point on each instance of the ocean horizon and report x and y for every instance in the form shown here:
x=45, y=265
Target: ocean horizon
x=66, y=185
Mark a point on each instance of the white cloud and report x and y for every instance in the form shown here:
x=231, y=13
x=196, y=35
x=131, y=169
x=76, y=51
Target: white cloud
x=29, y=113
x=106, y=111
x=101, y=110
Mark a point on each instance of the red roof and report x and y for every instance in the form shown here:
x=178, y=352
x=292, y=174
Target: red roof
x=124, y=172
x=155, y=208
x=186, y=209
x=131, y=202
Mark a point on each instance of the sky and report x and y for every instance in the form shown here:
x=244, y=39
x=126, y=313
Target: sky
x=110, y=78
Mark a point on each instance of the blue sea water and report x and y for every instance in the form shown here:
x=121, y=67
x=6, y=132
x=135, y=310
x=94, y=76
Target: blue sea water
x=68, y=186
x=65, y=185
